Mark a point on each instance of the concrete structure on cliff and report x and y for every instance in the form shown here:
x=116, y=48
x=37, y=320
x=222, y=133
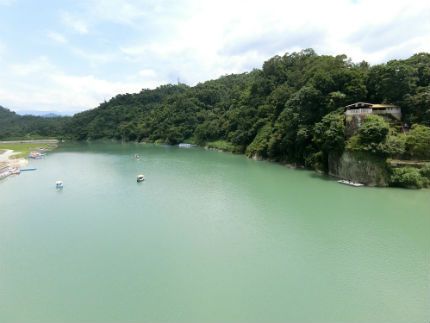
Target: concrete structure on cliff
x=388, y=111
x=356, y=113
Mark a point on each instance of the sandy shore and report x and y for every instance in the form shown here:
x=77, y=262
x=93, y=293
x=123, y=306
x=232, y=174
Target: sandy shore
x=7, y=162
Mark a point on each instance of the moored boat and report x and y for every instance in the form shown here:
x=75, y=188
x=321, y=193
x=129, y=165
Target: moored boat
x=184, y=145
x=35, y=155
x=351, y=183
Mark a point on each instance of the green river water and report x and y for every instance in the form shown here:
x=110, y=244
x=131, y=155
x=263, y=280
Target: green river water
x=208, y=237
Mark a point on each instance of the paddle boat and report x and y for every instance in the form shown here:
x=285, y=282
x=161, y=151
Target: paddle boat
x=36, y=155
x=59, y=185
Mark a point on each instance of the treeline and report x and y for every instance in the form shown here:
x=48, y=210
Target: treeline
x=276, y=112
x=14, y=126
x=290, y=110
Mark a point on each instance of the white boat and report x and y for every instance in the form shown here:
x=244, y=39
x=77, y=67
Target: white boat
x=59, y=185
x=183, y=145
x=140, y=178
x=351, y=183
x=35, y=155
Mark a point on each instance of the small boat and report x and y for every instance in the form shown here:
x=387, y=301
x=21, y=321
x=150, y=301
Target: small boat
x=351, y=183
x=27, y=169
x=140, y=178
x=183, y=145
x=36, y=155
x=59, y=185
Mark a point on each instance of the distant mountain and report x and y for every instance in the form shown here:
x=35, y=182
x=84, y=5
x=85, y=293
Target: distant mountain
x=15, y=126
x=45, y=114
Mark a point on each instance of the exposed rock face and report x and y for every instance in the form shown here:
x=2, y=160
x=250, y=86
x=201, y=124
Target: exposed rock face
x=359, y=167
x=257, y=156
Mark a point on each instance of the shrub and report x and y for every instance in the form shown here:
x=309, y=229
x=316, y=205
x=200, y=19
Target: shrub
x=407, y=177
x=259, y=145
x=374, y=130
x=425, y=171
x=418, y=142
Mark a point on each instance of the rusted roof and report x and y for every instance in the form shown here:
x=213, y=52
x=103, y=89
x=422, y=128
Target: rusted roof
x=358, y=105
x=383, y=106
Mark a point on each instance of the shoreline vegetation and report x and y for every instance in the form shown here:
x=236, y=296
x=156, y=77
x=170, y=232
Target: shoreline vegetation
x=14, y=154
x=291, y=111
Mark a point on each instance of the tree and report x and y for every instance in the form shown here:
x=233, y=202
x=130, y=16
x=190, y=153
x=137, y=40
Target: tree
x=329, y=133
x=392, y=81
x=417, y=106
x=373, y=131
x=408, y=177
x=418, y=142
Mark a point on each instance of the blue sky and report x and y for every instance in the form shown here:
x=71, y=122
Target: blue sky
x=70, y=55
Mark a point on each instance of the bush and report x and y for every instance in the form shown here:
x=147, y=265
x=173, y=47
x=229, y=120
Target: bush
x=418, y=142
x=425, y=171
x=394, y=145
x=408, y=177
x=222, y=145
x=259, y=145
x=374, y=130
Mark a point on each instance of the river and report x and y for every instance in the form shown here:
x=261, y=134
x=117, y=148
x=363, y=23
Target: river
x=207, y=237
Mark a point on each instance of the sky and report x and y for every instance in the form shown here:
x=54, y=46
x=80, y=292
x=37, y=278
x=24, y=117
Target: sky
x=68, y=56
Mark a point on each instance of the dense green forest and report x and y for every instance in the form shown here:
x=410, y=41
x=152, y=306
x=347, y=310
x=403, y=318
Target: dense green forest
x=14, y=126
x=290, y=110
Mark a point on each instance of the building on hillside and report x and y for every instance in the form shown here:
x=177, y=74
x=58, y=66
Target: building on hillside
x=388, y=111
x=355, y=114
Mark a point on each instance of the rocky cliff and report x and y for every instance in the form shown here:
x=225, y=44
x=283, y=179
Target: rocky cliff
x=359, y=167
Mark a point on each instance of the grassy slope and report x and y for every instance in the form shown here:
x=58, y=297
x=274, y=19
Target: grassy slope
x=25, y=148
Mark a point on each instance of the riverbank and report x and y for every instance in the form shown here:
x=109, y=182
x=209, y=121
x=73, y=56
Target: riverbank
x=24, y=147
x=13, y=154
x=10, y=165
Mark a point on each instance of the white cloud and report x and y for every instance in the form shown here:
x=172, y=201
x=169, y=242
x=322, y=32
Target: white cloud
x=38, y=65
x=2, y=48
x=57, y=37
x=228, y=36
x=51, y=89
x=74, y=23
x=195, y=40
x=6, y=2
x=117, y=11
x=147, y=73
x=94, y=59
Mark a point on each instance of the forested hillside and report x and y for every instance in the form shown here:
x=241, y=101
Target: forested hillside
x=276, y=112
x=13, y=126
x=290, y=111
